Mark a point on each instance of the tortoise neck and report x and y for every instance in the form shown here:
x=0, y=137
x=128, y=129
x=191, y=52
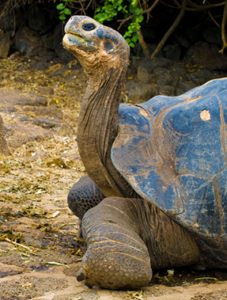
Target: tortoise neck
x=97, y=127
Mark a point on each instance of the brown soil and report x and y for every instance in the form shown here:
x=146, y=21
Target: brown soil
x=40, y=251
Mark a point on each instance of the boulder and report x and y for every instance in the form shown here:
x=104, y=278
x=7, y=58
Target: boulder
x=145, y=74
x=205, y=55
x=64, y=55
x=200, y=76
x=140, y=92
x=184, y=86
x=28, y=42
x=48, y=40
x=27, y=118
x=164, y=77
x=39, y=19
x=4, y=44
x=166, y=90
x=16, y=97
x=212, y=35
x=147, y=69
x=173, y=52
x=182, y=40
x=4, y=149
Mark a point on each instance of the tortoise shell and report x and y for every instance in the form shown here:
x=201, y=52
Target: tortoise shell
x=172, y=151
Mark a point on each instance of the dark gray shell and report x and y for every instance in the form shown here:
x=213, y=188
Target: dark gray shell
x=172, y=151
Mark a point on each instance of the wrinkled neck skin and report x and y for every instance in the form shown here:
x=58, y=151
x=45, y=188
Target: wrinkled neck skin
x=97, y=127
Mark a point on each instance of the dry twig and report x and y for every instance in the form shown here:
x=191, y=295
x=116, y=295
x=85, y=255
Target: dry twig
x=18, y=244
x=146, y=11
x=213, y=19
x=223, y=28
x=196, y=7
x=143, y=44
x=171, y=29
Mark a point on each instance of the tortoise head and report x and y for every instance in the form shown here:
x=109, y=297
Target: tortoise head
x=94, y=44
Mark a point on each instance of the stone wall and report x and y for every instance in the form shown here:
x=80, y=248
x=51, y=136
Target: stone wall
x=33, y=31
x=36, y=30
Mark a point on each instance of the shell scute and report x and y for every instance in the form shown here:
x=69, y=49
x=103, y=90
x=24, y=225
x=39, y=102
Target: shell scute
x=179, y=161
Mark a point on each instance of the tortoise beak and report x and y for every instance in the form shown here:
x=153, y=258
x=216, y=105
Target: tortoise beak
x=70, y=38
x=74, y=40
x=72, y=35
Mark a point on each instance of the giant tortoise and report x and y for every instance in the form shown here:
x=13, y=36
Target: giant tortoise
x=156, y=190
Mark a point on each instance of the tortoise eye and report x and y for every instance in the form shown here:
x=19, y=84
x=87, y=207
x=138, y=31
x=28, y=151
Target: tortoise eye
x=88, y=26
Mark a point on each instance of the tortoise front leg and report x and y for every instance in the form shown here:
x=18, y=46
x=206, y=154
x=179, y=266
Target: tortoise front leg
x=116, y=257
x=125, y=238
x=84, y=195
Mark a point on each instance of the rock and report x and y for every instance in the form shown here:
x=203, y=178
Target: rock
x=145, y=74
x=16, y=97
x=28, y=42
x=178, y=71
x=147, y=68
x=163, y=74
x=184, y=86
x=14, y=55
x=29, y=118
x=194, y=33
x=65, y=129
x=161, y=62
x=46, y=122
x=138, y=51
x=166, y=90
x=4, y=149
x=4, y=44
x=12, y=20
x=48, y=40
x=40, y=65
x=212, y=35
x=24, y=118
x=61, y=128
x=208, y=56
x=140, y=92
x=164, y=77
x=173, y=52
x=200, y=76
x=21, y=133
x=39, y=20
x=64, y=55
x=8, y=109
x=24, y=130
x=46, y=90
x=56, y=69
x=157, y=62
x=183, y=41
x=39, y=111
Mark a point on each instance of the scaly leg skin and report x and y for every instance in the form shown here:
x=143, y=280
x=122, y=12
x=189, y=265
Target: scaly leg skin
x=125, y=237
x=116, y=257
x=84, y=195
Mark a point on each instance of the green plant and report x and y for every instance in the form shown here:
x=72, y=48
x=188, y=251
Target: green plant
x=129, y=9
x=63, y=10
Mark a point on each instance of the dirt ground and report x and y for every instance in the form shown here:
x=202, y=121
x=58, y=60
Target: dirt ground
x=40, y=251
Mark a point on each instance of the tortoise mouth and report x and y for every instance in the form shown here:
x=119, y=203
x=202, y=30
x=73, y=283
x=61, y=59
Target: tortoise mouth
x=75, y=36
x=75, y=43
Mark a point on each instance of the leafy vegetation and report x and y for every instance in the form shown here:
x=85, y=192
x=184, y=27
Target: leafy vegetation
x=112, y=8
x=132, y=15
x=63, y=10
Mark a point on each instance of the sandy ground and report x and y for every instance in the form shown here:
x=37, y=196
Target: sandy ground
x=40, y=251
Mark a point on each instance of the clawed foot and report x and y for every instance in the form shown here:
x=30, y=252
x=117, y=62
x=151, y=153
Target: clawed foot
x=114, y=271
x=116, y=257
